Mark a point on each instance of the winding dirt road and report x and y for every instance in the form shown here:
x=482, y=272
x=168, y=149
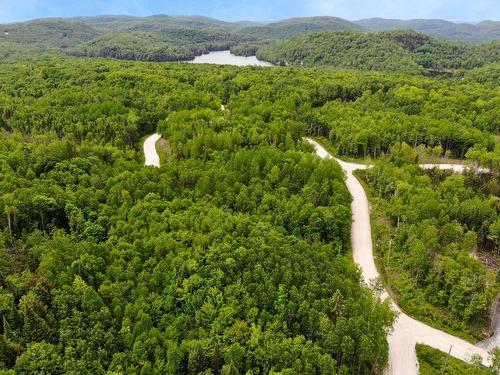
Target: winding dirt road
x=406, y=331
x=150, y=153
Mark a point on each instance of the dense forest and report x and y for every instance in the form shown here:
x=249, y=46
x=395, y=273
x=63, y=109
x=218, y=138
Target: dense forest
x=444, y=116
x=234, y=256
x=399, y=51
x=167, y=45
x=107, y=266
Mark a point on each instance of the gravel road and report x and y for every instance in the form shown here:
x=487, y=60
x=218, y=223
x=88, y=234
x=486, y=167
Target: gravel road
x=406, y=331
x=150, y=153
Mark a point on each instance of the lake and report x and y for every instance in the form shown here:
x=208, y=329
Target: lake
x=227, y=58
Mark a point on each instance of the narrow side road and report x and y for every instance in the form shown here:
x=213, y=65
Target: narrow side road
x=407, y=332
x=458, y=168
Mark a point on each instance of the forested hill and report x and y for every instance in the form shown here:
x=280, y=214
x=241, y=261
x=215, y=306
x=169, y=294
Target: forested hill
x=123, y=23
x=50, y=32
x=164, y=38
x=482, y=32
x=293, y=26
x=405, y=51
x=167, y=44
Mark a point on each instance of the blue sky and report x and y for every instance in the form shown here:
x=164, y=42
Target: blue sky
x=457, y=10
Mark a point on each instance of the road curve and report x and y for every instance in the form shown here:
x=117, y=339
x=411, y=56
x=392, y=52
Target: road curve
x=406, y=331
x=150, y=153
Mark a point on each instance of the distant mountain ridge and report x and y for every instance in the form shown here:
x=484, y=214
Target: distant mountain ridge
x=484, y=31
x=294, y=26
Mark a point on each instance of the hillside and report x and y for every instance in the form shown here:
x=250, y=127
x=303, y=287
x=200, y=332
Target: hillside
x=405, y=51
x=106, y=23
x=492, y=28
x=47, y=32
x=124, y=23
x=133, y=46
x=293, y=26
x=482, y=32
x=162, y=45
x=154, y=38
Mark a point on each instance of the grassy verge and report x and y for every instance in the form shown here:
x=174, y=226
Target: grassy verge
x=435, y=362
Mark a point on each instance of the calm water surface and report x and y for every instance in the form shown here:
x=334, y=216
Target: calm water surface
x=227, y=58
